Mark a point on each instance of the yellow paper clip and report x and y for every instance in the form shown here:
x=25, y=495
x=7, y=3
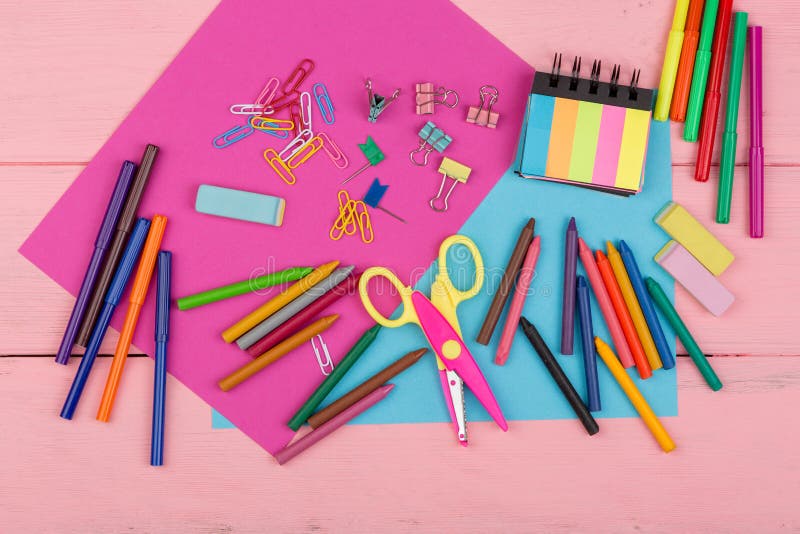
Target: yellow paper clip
x=295, y=144
x=353, y=215
x=306, y=151
x=457, y=172
x=268, y=123
x=364, y=222
x=279, y=166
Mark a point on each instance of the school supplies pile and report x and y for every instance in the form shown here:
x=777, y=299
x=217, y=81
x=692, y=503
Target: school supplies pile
x=699, y=37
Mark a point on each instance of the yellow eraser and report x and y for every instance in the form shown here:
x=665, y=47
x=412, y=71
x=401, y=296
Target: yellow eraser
x=686, y=230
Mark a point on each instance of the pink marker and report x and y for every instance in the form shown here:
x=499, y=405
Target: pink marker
x=515, y=310
x=604, y=301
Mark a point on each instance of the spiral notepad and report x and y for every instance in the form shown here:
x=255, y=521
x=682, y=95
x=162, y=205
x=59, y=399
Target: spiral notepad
x=585, y=132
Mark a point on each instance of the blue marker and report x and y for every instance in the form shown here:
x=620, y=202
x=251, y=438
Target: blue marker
x=115, y=290
x=162, y=336
x=667, y=359
x=587, y=338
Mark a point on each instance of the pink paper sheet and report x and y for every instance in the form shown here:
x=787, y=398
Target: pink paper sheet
x=241, y=45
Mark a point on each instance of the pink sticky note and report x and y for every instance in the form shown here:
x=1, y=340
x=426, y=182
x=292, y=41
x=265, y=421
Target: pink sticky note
x=228, y=61
x=693, y=276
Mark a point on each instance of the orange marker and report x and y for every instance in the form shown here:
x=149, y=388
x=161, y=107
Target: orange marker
x=637, y=351
x=138, y=292
x=683, y=79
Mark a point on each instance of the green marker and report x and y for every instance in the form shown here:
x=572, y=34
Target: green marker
x=332, y=379
x=702, y=61
x=727, y=159
x=668, y=310
x=240, y=288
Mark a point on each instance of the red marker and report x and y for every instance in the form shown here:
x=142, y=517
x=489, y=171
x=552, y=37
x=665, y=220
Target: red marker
x=708, y=123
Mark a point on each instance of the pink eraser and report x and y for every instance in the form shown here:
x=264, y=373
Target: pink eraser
x=697, y=280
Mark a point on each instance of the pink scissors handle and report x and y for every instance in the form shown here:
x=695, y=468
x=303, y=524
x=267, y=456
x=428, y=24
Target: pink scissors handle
x=450, y=348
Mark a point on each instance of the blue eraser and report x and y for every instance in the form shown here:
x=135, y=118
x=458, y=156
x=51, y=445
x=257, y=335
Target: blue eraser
x=242, y=205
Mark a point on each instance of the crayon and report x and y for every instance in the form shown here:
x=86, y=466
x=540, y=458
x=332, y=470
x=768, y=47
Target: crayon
x=587, y=338
x=518, y=301
x=243, y=287
x=568, y=301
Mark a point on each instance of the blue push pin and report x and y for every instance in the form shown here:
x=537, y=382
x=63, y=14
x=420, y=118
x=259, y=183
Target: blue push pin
x=374, y=196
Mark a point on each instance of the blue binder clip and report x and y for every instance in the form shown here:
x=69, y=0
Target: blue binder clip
x=378, y=103
x=430, y=138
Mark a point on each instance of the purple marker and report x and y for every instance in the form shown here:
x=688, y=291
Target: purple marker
x=100, y=245
x=756, y=161
x=568, y=304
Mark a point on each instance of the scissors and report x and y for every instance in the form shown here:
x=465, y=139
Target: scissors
x=439, y=322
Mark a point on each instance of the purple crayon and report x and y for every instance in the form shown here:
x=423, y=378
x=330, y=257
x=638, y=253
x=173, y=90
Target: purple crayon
x=568, y=304
x=100, y=246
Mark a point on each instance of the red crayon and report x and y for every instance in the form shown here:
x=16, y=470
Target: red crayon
x=708, y=122
x=294, y=324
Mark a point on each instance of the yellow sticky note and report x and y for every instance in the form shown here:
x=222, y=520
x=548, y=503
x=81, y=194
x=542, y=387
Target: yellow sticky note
x=686, y=230
x=633, y=147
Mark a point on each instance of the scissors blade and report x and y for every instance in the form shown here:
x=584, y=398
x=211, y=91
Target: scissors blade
x=455, y=355
x=453, y=388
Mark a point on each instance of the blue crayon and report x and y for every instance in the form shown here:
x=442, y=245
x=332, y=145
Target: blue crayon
x=587, y=338
x=667, y=359
x=115, y=290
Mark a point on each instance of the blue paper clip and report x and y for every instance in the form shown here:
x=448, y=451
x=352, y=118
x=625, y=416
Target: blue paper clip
x=324, y=103
x=430, y=138
x=280, y=134
x=237, y=133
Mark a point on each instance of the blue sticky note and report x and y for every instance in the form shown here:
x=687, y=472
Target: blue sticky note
x=523, y=386
x=537, y=134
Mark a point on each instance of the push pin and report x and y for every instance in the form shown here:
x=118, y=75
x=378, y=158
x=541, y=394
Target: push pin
x=482, y=115
x=457, y=172
x=373, y=155
x=427, y=98
x=430, y=138
x=378, y=103
x=375, y=194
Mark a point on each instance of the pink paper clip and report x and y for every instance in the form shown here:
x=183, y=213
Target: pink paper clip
x=333, y=151
x=427, y=98
x=267, y=94
x=306, y=151
x=295, y=144
x=280, y=167
x=482, y=114
x=237, y=133
x=298, y=76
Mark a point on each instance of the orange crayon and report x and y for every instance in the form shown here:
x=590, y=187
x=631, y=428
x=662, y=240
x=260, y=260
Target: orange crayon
x=628, y=328
x=144, y=273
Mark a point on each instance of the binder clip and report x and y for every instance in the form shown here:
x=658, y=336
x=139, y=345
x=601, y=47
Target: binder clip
x=454, y=170
x=375, y=194
x=373, y=155
x=285, y=168
x=430, y=138
x=378, y=103
x=353, y=216
x=482, y=114
x=427, y=98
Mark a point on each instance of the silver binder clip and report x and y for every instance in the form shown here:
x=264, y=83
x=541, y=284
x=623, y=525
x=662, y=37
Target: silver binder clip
x=378, y=103
x=325, y=365
x=457, y=172
x=427, y=98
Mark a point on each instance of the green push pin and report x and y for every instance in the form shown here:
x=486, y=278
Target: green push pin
x=373, y=155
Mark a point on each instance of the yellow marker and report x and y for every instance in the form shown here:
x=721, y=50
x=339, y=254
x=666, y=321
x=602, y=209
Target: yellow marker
x=686, y=230
x=671, y=59
x=629, y=295
x=634, y=395
x=245, y=324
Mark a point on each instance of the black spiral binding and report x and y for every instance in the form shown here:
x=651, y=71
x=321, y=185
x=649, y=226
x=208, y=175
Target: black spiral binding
x=592, y=89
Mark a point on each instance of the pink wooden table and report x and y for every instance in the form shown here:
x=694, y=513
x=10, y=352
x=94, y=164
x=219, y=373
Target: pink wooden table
x=72, y=70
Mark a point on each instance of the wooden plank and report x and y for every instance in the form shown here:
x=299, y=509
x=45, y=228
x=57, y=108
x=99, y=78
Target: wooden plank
x=540, y=476
x=64, y=95
x=35, y=309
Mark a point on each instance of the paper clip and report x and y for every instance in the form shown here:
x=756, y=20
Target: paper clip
x=375, y=194
x=324, y=102
x=280, y=134
x=373, y=154
x=250, y=109
x=283, y=101
x=333, y=151
x=364, y=222
x=307, y=150
x=280, y=167
x=326, y=366
x=353, y=215
x=237, y=133
x=430, y=138
x=298, y=76
x=458, y=172
x=484, y=116
x=266, y=95
x=427, y=95
x=305, y=110
x=378, y=103
x=297, y=120
x=295, y=144
x=267, y=123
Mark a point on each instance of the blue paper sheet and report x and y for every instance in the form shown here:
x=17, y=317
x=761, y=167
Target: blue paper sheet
x=523, y=387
